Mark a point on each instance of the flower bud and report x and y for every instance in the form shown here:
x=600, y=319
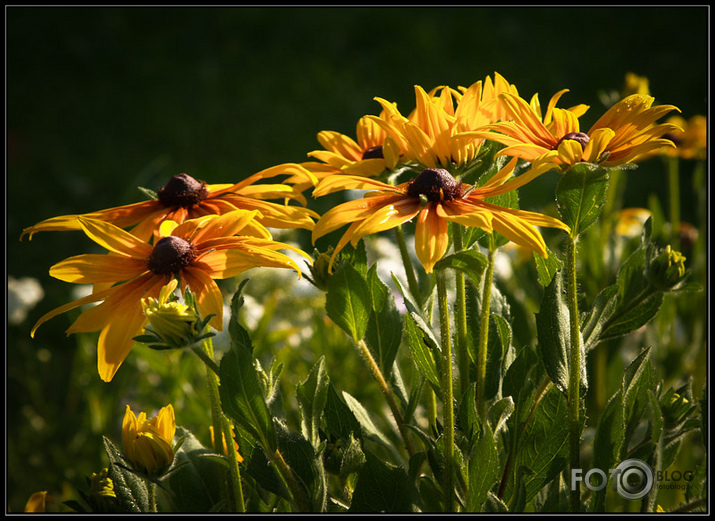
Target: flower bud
x=148, y=443
x=101, y=491
x=667, y=269
x=173, y=322
x=319, y=270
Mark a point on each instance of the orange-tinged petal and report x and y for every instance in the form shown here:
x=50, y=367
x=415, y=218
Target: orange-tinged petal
x=225, y=225
x=336, y=183
x=519, y=232
x=115, y=239
x=570, y=152
x=116, y=338
x=122, y=217
x=290, y=169
x=387, y=217
x=89, y=299
x=472, y=215
x=431, y=237
x=92, y=268
x=536, y=219
x=351, y=211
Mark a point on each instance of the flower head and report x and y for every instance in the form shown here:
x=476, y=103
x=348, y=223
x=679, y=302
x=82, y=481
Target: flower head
x=627, y=130
x=172, y=322
x=197, y=251
x=184, y=198
x=434, y=197
x=690, y=137
x=148, y=443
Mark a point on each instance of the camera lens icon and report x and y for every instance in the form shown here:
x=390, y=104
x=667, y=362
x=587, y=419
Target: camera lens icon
x=633, y=479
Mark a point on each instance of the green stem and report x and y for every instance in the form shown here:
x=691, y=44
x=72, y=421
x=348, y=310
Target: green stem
x=151, y=489
x=221, y=425
x=447, y=393
x=484, y=331
x=409, y=268
x=674, y=196
x=380, y=379
x=574, y=400
x=460, y=317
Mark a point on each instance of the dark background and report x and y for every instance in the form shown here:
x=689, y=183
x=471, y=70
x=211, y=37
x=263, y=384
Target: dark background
x=102, y=100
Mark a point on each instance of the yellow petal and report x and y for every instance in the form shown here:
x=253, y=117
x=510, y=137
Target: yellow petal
x=208, y=294
x=115, y=239
x=431, y=237
x=335, y=183
x=351, y=211
x=92, y=268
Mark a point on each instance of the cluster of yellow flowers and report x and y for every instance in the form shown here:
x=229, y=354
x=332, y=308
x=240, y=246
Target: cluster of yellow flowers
x=199, y=232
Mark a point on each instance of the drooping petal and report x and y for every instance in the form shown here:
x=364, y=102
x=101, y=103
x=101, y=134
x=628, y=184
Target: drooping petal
x=387, y=217
x=121, y=217
x=336, y=183
x=431, y=237
x=115, y=340
x=351, y=211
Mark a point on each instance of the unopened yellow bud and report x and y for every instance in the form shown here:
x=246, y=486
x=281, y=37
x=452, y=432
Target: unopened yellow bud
x=667, y=269
x=148, y=443
x=173, y=321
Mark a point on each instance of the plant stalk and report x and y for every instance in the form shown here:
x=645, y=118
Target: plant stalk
x=380, y=379
x=409, y=268
x=222, y=426
x=574, y=398
x=460, y=316
x=484, y=331
x=674, y=197
x=447, y=392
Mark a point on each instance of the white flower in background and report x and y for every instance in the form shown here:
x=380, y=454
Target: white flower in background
x=22, y=295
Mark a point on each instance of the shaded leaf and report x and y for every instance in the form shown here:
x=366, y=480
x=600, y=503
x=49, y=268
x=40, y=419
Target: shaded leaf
x=347, y=301
x=382, y=488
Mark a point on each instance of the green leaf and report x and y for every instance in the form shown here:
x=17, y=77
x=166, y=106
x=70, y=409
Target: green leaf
x=543, y=445
x=633, y=318
x=339, y=419
x=422, y=349
x=498, y=344
x=363, y=417
x=304, y=463
x=499, y=413
x=382, y=488
x=196, y=476
x=131, y=489
x=484, y=469
x=241, y=394
x=347, y=301
x=547, y=267
x=553, y=329
x=470, y=262
x=312, y=396
x=580, y=194
x=603, y=308
x=384, y=327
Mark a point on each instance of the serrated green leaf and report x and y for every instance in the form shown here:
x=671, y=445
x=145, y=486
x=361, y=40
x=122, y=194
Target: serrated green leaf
x=384, y=328
x=543, y=445
x=422, y=353
x=312, y=396
x=484, y=469
x=339, y=419
x=547, y=267
x=363, y=417
x=196, y=476
x=382, y=488
x=553, y=330
x=470, y=262
x=497, y=347
x=603, y=308
x=242, y=397
x=347, y=301
x=580, y=194
x=131, y=490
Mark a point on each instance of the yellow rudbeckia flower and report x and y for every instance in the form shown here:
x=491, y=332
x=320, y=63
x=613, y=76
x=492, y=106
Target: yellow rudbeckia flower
x=627, y=130
x=148, y=444
x=184, y=198
x=434, y=197
x=197, y=250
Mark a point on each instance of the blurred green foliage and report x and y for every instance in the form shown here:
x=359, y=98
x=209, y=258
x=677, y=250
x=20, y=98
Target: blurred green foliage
x=103, y=100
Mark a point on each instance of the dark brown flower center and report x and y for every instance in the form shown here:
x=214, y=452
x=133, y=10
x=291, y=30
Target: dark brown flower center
x=373, y=153
x=182, y=190
x=436, y=184
x=581, y=137
x=170, y=255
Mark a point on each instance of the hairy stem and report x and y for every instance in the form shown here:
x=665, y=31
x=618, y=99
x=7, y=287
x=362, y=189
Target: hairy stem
x=484, y=331
x=460, y=317
x=574, y=399
x=447, y=393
